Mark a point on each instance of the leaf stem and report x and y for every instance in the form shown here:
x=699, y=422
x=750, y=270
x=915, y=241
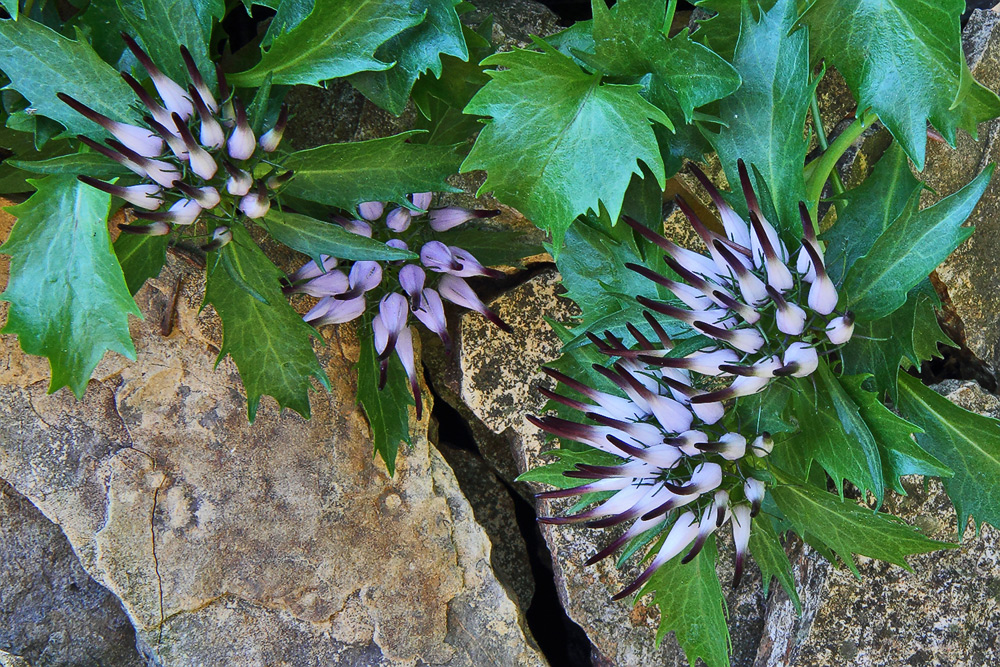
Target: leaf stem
x=823, y=166
x=837, y=184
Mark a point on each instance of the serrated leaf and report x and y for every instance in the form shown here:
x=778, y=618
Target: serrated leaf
x=692, y=606
x=334, y=40
x=764, y=121
x=414, y=51
x=68, y=298
x=967, y=443
x=768, y=552
x=314, y=238
x=387, y=410
x=629, y=40
x=904, y=59
x=288, y=15
x=909, y=249
x=868, y=210
x=721, y=31
x=833, y=434
x=267, y=339
x=141, y=257
x=41, y=63
x=11, y=7
x=87, y=164
x=344, y=175
x=767, y=410
x=849, y=529
x=560, y=142
x=164, y=25
x=901, y=455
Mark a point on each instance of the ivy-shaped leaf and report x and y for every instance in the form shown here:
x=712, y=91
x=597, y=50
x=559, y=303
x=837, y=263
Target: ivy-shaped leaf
x=141, y=257
x=967, y=443
x=344, y=175
x=387, y=409
x=721, y=31
x=692, y=606
x=904, y=59
x=267, y=339
x=314, y=238
x=164, y=25
x=40, y=63
x=908, y=250
x=768, y=552
x=764, y=121
x=68, y=298
x=334, y=40
x=848, y=529
x=414, y=51
x=560, y=142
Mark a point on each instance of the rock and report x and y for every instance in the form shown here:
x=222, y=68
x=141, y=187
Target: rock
x=969, y=276
x=494, y=378
x=945, y=612
x=276, y=543
x=51, y=611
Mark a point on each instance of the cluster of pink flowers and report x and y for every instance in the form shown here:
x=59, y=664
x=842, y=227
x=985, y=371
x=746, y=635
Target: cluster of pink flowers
x=343, y=293
x=766, y=316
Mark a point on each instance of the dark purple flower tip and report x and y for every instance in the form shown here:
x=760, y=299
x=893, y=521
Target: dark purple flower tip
x=158, y=228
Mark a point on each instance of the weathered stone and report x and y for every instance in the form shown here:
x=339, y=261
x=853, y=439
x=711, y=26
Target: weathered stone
x=51, y=611
x=11, y=660
x=969, y=276
x=496, y=381
x=944, y=613
x=273, y=543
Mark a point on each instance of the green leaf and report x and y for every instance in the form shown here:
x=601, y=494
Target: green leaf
x=87, y=164
x=765, y=119
x=909, y=249
x=552, y=474
x=559, y=142
x=901, y=455
x=334, y=40
x=904, y=59
x=849, y=529
x=68, y=298
x=494, y=247
x=833, y=434
x=41, y=63
x=415, y=50
x=967, y=443
x=344, y=175
x=908, y=333
x=629, y=40
x=721, y=31
x=267, y=339
x=692, y=606
x=387, y=410
x=868, y=210
x=11, y=7
x=767, y=410
x=164, y=25
x=314, y=238
x=768, y=552
x=141, y=258
x=288, y=15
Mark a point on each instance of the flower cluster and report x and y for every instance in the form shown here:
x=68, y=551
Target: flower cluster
x=184, y=155
x=342, y=295
x=681, y=471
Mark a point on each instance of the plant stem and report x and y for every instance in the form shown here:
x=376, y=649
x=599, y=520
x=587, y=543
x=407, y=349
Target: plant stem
x=825, y=164
x=836, y=183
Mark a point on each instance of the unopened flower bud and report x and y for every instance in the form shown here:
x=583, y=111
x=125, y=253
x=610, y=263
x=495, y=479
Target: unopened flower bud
x=174, y=97
x=158, y=228
x=269, y=140
x=422, y=200
x=241, y=144
x=239, y=181
x=398, y=220
x=762, y=445
x=840, y=329
x=359, y=227
x=371, y=210
x=140, y=140
x=443, y=219
x=754, y=490
x=143, y=196
x=220, y=237
x=256, y=204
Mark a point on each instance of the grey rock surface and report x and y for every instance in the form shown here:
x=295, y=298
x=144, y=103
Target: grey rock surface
x=51, y=611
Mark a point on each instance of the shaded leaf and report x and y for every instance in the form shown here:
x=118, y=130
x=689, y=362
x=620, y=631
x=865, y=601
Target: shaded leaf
x=494, y=247
x=68, y=298
x=552, y=474
x=768, y=552
x=141, y=258
x=314, y=238
x=87, y=164
x=164, y=25
x=387, y=410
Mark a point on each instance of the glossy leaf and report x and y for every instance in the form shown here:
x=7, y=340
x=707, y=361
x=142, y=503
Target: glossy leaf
x=334, y=40
x=86, y=164
x=769, y=553
x=560, y=142
x=552, y=474
x=164, y=25
x=967, y=443
x=909, y=249
x=68, y=298
x=387, y=409
x=847, y=528
x=141, y=258
x=314, y=238
x=904, y=59
x=344, y=175
x=267, y=339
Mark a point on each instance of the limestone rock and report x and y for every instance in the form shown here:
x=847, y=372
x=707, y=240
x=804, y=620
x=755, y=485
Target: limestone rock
x=944, y=613
x=969, y=275
x=51, y=611
x=274, y=543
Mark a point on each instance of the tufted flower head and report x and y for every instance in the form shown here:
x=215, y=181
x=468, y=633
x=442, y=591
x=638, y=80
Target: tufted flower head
x=766, y=312
x=404, y=288
x=182, y=154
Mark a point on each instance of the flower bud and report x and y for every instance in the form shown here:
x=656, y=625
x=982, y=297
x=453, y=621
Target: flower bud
x=143, y=196
x=174, y=97
x=802, y=358
x=256, y=204
x=762, y=445
x=359, y=227
x=443, y=219
x=269, y=140
x=840, y=329
x=158, y=228
x=754, y=490
x=241, y=144
x=220, y=237
x=422, y=200
x=239, y=181
x=371, y=210
x=398, y=220
x=140, y=140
